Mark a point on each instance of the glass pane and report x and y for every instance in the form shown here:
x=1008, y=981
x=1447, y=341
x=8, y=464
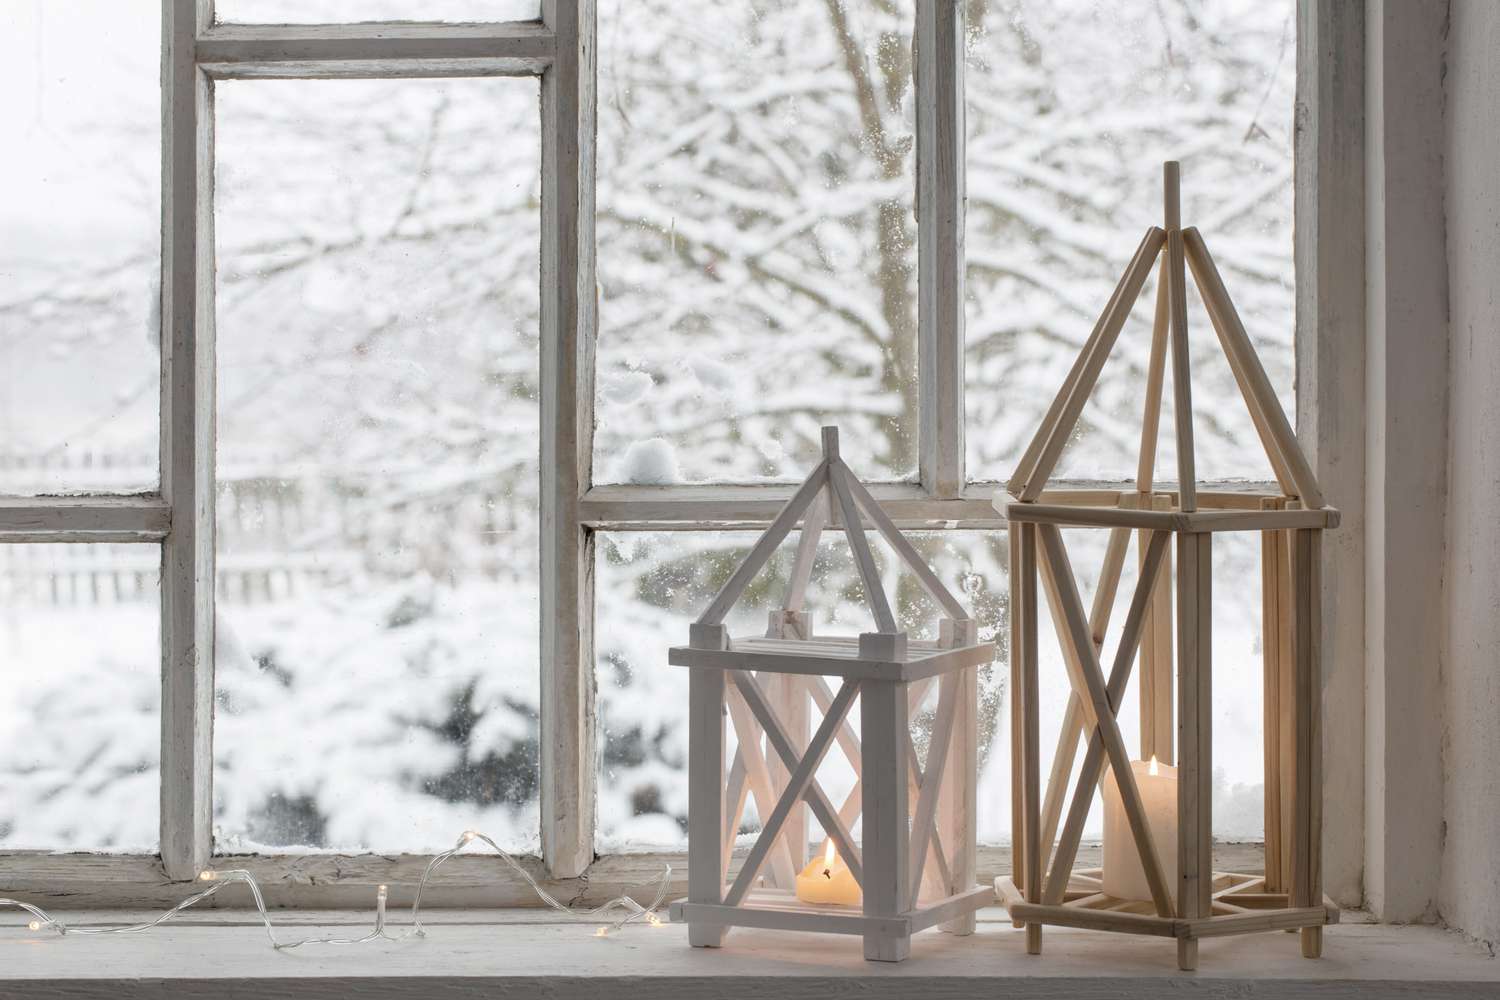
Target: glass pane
x=377, y=470
x=80, y=721
x=757, y=247
x=333, y=11
x=649, y=586
x=1072, y=107
x=79, y=245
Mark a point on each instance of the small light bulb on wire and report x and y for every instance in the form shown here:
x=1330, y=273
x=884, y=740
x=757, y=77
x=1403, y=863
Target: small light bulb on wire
x=220, y=879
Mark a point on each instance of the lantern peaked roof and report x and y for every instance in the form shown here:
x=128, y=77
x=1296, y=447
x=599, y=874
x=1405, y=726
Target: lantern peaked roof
x=1174, y=246
x=832, y=486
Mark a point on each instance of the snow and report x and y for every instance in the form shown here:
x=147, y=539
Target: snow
x=652, y=462
x=625, y=387
x=378, y=386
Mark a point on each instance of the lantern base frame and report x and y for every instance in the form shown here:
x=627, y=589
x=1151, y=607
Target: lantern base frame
x=777, y=910
x=1240, y=906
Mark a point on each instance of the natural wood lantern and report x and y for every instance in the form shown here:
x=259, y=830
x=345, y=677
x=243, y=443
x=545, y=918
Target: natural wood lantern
x=914, y=863
x=1202, y=903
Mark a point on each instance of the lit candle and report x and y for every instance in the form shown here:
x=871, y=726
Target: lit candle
x=1124, y=875
x=828, y=880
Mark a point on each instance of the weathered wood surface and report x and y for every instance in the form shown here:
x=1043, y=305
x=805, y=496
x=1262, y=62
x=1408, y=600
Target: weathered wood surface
x=568, y=323
x=335, y=881
x=402, y=50
x=505, y=959
x=187, y=447
x=84, y=519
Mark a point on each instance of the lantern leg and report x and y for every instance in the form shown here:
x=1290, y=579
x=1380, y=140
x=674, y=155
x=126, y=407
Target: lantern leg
x=1030, y=732
x=1194, y=736
x=1017, y=745
x=1307, y=820
x=886, y=843
x=706, y=800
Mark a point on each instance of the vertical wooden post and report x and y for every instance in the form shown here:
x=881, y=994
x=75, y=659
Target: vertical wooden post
x=1030, y=729
x=569, y=318
x=1166, y=729
x=1286, y=721
x=958, y=799
x=1153, y=726
x=1307, y=821
x=788, y=694
x=187, y=445
x=706, y=737
x=1271, y=698
x=1182, y=379
x=938, y=71
x=885, y=848
x=1194, y=736
x=1018, y=696
x=1145, y=473
x=1331, y=346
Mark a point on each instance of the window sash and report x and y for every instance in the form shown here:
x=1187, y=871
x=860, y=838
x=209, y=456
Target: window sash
x=560, y=49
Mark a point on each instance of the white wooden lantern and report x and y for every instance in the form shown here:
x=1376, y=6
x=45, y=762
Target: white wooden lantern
x=914, y=860
x=1188, y=900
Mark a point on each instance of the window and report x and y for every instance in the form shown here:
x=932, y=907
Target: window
x=451, y=440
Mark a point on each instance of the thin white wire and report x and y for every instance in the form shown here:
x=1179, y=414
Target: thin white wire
x=633, y=911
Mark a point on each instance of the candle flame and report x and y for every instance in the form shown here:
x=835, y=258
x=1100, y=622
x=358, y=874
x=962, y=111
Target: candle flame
x=829, y=854
x=1154, y=769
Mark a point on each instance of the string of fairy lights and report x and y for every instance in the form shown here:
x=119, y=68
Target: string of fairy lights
x=628, y=909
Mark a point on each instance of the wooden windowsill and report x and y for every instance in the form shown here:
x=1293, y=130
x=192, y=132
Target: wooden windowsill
x=518, y=953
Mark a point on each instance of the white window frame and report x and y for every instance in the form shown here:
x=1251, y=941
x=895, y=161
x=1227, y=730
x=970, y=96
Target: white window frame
x=560, y=50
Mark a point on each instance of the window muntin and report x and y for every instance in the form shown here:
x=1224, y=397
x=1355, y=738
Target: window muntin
x=79, y=246
x=766, y=186
x=377, y=662
x=80, y=723
x=1071, y=108
x=332, y=11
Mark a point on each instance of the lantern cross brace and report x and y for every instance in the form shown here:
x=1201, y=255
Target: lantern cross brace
x=929, y=860
x=935, y=866
x=1072, y=724
x=1099, y=707
x=798, y=788
x=1094, y=756
x=750, y=693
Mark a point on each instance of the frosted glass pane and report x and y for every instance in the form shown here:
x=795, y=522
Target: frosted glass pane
x=378, y=666
x=79, y=236
x=80, y=719
x=757, y=246
x=649, y=586
x=333, y=11
x=1072, y=107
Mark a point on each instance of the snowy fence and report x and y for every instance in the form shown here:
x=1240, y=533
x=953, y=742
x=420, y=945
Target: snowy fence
x=282, y=531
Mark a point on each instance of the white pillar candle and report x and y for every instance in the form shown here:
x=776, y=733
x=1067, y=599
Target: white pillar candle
x=1124, y=875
